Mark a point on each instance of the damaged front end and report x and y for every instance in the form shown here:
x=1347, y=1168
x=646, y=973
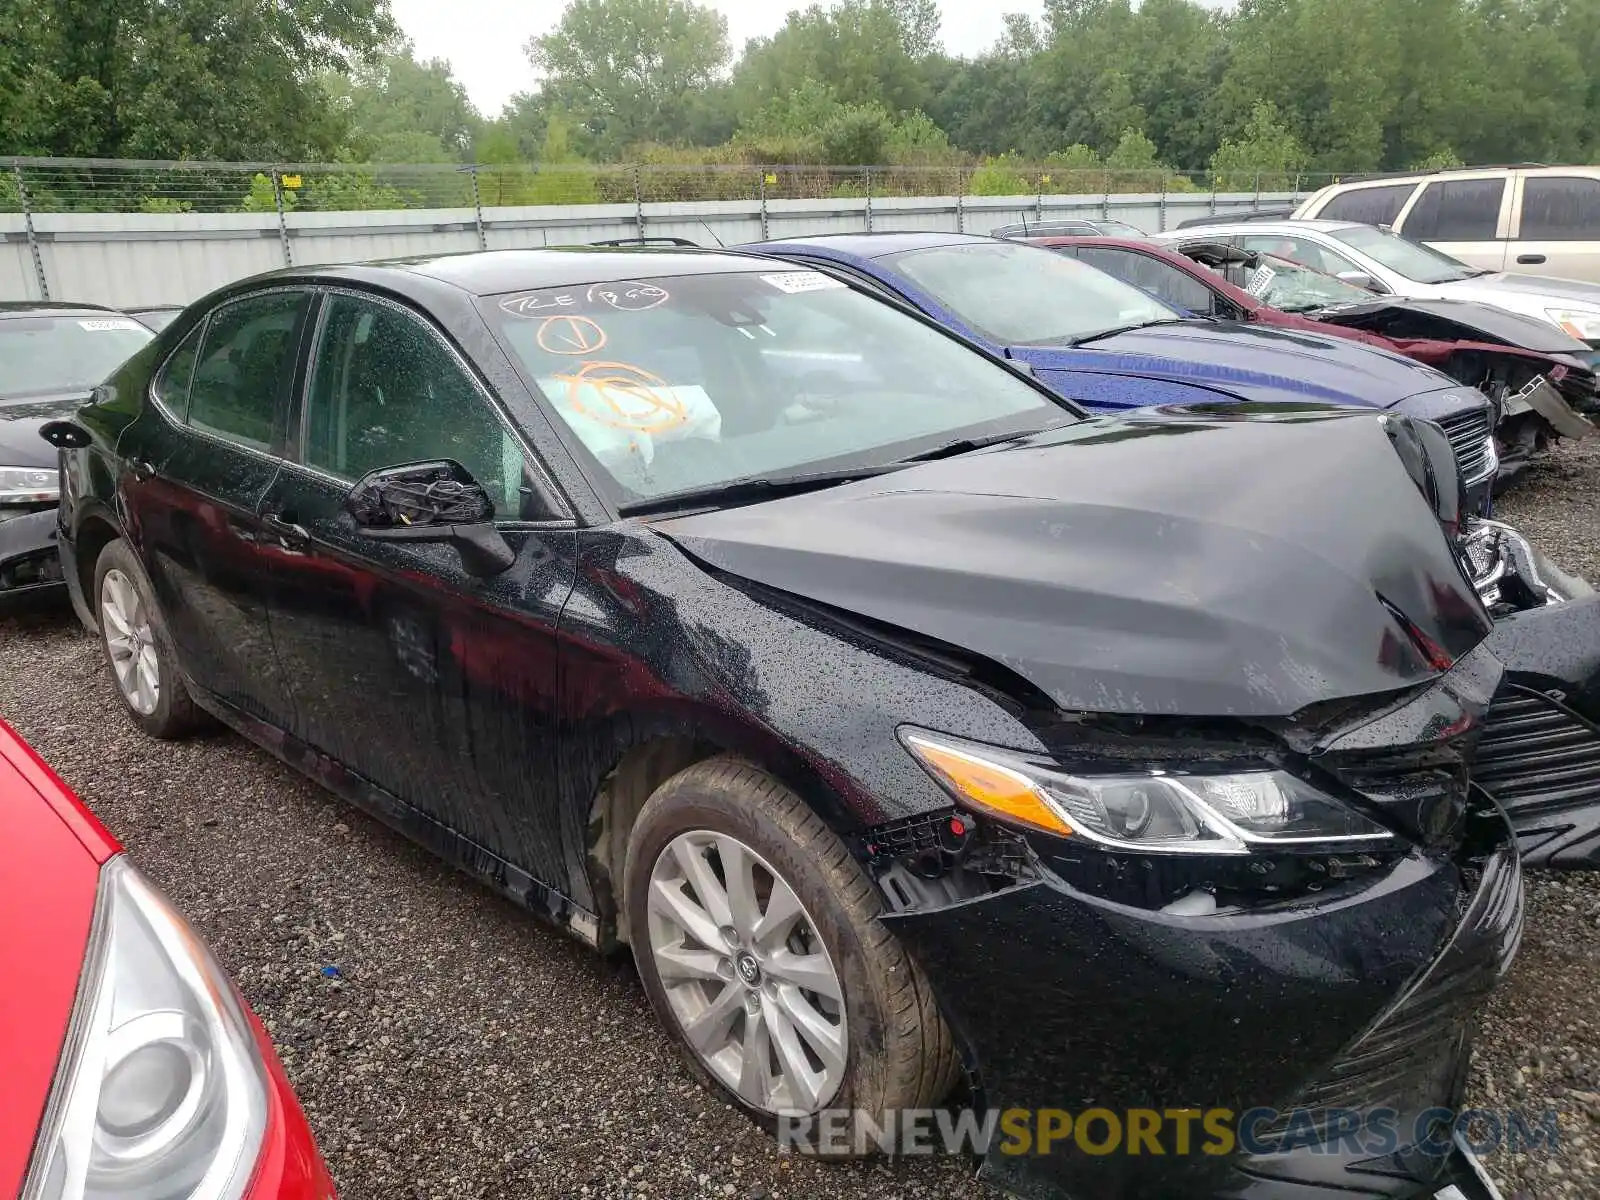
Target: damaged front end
x=1286, y=922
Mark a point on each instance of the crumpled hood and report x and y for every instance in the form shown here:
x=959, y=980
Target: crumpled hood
x=1254, y=362
x=1465, y=320
x=20, y=443
x=1191, y=563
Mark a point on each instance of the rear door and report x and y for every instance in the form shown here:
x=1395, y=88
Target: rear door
x=1465, y=216
x=198, y=460
x=434, y=684
x=1557, y=223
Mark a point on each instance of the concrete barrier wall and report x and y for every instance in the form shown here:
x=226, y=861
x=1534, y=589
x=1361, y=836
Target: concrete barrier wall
x=131, y=258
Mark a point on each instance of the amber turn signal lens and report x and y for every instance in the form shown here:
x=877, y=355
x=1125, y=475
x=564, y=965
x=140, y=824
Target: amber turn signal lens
x=997, y=790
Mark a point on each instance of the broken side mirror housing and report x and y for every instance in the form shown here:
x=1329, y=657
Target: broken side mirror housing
x=434, y=502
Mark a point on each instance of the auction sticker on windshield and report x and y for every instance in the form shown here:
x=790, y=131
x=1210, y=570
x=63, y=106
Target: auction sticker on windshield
x=795, y=282
x=100, y=325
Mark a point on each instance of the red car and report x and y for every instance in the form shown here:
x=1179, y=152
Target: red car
x=1529, y=368
x=131, y=1065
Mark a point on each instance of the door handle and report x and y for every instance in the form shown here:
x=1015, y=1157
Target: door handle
x=1529, y=260
x=287, y=531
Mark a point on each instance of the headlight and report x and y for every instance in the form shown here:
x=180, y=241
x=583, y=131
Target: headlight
x=1585, y=326
x=1151, y=812
x=161, y=1093
x=29, y=485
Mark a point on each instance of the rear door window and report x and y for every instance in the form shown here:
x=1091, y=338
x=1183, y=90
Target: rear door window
x=1457, y=210
x=1560, y=208
x=1368, y=205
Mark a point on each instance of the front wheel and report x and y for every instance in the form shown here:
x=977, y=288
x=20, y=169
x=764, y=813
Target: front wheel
x=755, y=935
x=138, y=650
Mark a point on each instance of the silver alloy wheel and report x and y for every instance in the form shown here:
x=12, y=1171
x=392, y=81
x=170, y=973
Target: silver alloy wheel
x=131, y=642
x=749, y=980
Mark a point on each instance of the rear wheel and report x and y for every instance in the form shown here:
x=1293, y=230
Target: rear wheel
x=754, y=933
x=138, y=649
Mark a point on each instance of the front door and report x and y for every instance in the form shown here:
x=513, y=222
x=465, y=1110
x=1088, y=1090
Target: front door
x=199, y=460
x=435, y=685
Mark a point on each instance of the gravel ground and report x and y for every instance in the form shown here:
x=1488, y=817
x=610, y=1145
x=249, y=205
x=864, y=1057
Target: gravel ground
x=466, y=1050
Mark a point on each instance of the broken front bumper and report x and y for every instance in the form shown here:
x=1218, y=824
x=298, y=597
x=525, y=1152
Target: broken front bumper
x=1358, y=1000
x=30, y=567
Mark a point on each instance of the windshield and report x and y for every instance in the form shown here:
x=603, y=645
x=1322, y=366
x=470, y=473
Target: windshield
x=1413, y=260
x=688, y=383
x=1020, y=295
x=1290, y=287
x=40, y=355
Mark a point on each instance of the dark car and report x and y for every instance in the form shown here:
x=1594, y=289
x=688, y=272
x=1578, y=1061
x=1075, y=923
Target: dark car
x=1275, y=213
x=1111, y=346
x=899, y=718
x=1072, y=228
x=157, y=316
x=50, y=356
x=1533, y=372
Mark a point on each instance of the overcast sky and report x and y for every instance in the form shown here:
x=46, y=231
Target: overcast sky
x=483, y=39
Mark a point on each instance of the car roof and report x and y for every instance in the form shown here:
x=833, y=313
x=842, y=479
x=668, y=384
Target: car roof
x=876, y=245
x=495, y=272
x=49, y=308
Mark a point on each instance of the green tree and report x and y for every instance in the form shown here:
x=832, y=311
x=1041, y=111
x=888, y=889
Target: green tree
x=1265, y=155
x=221, y=79
x=864, y=51
x=624, y=67
x=402, y=110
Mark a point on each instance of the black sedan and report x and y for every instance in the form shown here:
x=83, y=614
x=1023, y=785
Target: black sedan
x=50, y=356
x=900, y=719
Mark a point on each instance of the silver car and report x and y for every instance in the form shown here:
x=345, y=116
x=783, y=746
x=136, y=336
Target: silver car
x=1387, y=263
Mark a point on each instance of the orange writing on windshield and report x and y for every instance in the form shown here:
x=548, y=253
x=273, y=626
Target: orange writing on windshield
x=624, y=396
x=571, y=335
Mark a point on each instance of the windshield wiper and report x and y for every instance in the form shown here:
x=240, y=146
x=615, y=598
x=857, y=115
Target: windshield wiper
x=968, y=445
x=1116, y=329
x=752, y=488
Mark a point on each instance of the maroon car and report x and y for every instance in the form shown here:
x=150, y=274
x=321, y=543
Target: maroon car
x=1530, y=369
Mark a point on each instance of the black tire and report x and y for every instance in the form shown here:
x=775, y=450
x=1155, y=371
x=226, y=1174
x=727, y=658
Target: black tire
x=175, y=714
x=899, y=1051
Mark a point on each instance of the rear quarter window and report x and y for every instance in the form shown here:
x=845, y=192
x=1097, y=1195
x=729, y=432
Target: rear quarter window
x=1368, y=205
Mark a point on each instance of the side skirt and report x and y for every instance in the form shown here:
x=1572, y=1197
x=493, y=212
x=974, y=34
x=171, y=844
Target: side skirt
x=482, y=864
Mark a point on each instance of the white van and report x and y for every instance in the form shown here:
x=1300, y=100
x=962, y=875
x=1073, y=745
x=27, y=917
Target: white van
x=1529, y=219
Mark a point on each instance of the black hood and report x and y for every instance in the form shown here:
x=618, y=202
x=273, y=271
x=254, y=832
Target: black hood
x=1453, y=320
x=20, y=443
x=1192, y=563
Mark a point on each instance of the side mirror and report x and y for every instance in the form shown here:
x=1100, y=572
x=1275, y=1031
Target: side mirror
x=1361, y=279
x=65, y=435
x=431, y=502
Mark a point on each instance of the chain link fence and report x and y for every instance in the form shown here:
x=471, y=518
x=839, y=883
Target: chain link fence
x=102, y=186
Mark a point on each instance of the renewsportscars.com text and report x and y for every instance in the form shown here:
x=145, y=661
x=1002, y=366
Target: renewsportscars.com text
x=1169, y=1131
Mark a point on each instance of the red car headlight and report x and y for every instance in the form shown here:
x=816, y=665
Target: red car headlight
x=161, y=1093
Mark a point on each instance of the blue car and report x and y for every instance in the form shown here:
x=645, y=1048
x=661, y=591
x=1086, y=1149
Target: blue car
x=1111, y=346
